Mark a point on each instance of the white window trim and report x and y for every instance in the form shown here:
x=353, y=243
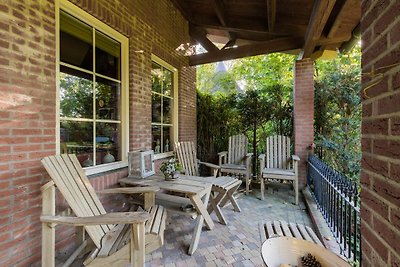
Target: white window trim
x=174, y=71
x=72, y=9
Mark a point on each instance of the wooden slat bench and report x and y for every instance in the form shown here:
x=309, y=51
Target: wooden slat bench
x=271, y=229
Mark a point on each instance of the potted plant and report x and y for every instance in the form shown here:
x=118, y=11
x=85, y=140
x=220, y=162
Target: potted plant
x=171, y=168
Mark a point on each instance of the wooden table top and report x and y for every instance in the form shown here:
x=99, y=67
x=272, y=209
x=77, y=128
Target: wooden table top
x=180, y=185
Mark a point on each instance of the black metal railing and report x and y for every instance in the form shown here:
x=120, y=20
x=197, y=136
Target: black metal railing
x=338, y=199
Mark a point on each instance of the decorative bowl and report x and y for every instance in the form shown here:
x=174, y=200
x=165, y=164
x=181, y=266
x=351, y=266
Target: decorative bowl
x=289, y=250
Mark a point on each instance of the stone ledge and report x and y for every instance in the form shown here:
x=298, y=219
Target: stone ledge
x=320, y=226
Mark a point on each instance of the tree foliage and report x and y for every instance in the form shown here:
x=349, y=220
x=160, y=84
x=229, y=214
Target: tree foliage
x=338, y=112
x=264, y=106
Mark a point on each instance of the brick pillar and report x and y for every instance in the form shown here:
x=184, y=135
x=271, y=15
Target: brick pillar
x=303, y=98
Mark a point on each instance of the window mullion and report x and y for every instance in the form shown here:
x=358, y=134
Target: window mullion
x=94, y=96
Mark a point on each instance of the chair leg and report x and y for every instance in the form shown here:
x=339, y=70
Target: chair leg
x=262, y=186
x=247, y=184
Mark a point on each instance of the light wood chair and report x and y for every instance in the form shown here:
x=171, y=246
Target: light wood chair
x=277, y=163
x=186, y=153
x=223, y=188
x=237, y=161
x=118, y=239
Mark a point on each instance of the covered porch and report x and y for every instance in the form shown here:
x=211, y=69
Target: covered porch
x=159, y=37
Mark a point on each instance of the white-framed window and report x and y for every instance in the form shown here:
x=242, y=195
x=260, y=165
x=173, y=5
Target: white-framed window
x=92, y=81
x=164, y=115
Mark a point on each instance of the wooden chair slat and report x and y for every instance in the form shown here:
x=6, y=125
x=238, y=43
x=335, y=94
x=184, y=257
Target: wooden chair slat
x=271, y=229
x=69, y=190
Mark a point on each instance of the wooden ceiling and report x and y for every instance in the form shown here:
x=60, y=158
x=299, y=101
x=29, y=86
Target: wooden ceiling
x=230, y=29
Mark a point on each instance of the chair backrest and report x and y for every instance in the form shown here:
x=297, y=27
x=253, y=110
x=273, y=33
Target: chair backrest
x=69, y=177
x=277, y=152
x=237, y=149
x=187, y=156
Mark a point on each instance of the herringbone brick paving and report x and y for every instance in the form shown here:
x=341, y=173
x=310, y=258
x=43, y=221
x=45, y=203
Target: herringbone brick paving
x=236, y=244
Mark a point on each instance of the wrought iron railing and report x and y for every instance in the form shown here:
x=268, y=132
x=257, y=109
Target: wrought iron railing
x=338, y=199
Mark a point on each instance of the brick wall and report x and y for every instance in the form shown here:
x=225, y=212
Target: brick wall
x=28, y=104
x=380, y=177
x=303, y=103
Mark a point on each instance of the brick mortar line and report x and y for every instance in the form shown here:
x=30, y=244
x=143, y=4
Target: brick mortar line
x=380, y=157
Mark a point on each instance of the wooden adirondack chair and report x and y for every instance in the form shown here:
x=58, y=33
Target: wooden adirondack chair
x=187, y=156
x=119, y=238
x=236, y=160
x=277, y=163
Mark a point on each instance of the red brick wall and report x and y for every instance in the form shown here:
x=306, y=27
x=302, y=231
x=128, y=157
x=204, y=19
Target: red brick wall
x=28, y=104
x=380, y=177
x=303, y=103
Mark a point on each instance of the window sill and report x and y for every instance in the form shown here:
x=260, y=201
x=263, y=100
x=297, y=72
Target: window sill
x=163, y=155
x=105, y=167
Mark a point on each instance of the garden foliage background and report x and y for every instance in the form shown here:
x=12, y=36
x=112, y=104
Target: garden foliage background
x=254, y=96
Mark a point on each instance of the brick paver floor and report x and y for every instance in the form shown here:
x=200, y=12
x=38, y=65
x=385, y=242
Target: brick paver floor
x=235, y=244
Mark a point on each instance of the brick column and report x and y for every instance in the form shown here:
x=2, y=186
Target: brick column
x=303, y=98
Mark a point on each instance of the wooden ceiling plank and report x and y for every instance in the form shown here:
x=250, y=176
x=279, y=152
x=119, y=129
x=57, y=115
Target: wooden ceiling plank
x=340, y=17
x=277, y=45
x=220, y=11
x=200, y=36
x=320, y=14
x=184, y=8
x=271, y=14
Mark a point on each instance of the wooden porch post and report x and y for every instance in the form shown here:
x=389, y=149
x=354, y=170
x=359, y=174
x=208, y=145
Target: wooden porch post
x=303, y=98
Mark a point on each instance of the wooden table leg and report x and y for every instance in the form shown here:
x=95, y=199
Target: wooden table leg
x=229, y=196
x=203, y=216
x=214, y=204
x=201, y=208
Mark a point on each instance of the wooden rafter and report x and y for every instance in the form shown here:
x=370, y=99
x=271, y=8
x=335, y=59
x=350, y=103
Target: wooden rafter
x=320, y=14
x=200, y=36
x=271, y=14
x=277, y=45
x=183, y=7
x=242, y=27
x=220, y=10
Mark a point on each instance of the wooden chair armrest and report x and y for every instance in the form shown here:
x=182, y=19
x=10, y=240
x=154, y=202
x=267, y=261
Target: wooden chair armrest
x=223, y=153
x=249, y=155
x=130, y=190
x=109, y=218
x=261, y=157
x=222, y=157
x=295, y=157
x=210, y=165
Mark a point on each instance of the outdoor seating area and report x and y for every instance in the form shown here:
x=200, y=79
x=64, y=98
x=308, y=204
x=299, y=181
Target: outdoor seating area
x=108, y=109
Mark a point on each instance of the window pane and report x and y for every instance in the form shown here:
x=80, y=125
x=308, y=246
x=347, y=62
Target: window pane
x=167, y=133
x=108, y=99
x=167, y=85
x=108, y=142
x=75, y=42
x=167, y=110
x=156, y=136
x=156, y=108
x=76, y=94
x=108, y=53
x=156, y=77
x=77, y=138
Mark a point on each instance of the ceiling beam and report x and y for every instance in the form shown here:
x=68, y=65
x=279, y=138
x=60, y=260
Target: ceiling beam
x=183, y=7
x=220, y=10
x=271, y=14
x=256, y=28
x=319, y=16
x=277, y=45
x=340, y=18
x=200, y=36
